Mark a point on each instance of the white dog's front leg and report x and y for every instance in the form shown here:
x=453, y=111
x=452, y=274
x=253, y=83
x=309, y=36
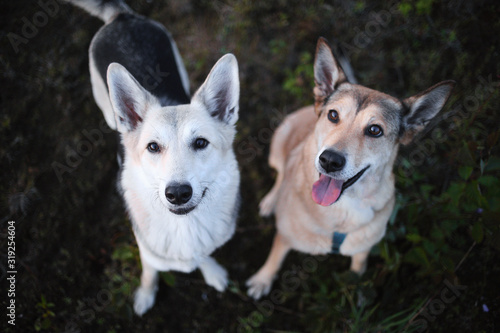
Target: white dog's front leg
x=145, y=295
x=215, y=275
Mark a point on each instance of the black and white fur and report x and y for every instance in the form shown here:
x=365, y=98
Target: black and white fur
x=179, y=179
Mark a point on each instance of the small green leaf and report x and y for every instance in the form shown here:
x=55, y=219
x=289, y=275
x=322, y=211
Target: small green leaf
x=487, y=180
x=422, y=255
x=430, y=248
x=455, y=191
x=46, y=322
x=493, y=164
x=405, y=8
x=473, y=194
x=384, y=250
x=426, y=189
x=424, y=7
x=465, y=172
x=477, y=232
x=417, y=256
x=123, y=252
x=414, y=238
x=168, y=278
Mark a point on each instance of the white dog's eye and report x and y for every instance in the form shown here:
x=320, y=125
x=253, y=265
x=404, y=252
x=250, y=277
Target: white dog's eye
x=374, y=131
x=200, y=143
x=153, y=147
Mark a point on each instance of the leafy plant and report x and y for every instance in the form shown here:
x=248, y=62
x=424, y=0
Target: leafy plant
x=44, y=321
x=299, y=81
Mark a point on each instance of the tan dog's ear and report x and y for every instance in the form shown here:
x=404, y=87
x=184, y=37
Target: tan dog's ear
x=422, y=107
x=327, y=73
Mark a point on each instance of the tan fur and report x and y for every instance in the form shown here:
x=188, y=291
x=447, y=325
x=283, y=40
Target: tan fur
x=302, y=224
x=364, y=208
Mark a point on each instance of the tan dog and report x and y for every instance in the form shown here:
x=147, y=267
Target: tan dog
x=335, y=186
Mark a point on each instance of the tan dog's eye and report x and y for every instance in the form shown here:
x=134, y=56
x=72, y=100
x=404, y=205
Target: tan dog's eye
x=333, y=116
x=374, y=131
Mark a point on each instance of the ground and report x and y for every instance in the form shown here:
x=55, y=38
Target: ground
x=76, y=259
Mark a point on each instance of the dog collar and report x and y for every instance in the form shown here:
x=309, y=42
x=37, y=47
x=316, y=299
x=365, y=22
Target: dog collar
x=337, y=240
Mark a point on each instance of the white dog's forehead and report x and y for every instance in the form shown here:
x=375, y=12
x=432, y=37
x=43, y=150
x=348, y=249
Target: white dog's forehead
x=177, y=124
x=160, y=124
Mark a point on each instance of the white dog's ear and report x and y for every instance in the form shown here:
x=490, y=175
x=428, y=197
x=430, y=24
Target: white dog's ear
x=327, y=72
x=220, y=93
x=422, y=107
x=128, y=98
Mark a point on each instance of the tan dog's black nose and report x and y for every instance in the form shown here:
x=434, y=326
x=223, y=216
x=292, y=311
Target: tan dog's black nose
x=331, y=161
x=178, y=194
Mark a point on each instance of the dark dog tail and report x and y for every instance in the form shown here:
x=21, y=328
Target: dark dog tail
x=106, y=10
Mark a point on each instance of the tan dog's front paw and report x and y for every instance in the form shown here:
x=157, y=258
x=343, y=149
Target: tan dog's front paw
x=259, y=286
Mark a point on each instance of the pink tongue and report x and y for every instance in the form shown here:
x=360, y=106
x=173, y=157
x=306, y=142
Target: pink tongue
x=326, y=190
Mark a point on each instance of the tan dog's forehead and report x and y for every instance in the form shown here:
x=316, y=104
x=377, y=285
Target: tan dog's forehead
x=360, y=105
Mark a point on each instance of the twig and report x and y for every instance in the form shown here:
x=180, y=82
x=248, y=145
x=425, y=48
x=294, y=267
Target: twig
x=437, y=291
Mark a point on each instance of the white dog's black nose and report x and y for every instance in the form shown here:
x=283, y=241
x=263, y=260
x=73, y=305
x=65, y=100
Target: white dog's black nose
x=178, y=194
x=331, y=161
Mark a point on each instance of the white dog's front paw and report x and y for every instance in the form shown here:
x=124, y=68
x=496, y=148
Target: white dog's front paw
x=215, y=275
x=217, y=278
x=259, y=285
x=143, y=300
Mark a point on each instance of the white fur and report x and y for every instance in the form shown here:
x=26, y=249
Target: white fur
x=168, y=241
x=100, y=92
x=104, y=11
x=180, y=65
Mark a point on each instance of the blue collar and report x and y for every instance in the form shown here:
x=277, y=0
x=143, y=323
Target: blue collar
x=337, y=240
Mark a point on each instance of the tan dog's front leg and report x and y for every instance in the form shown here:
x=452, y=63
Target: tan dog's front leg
x=260, y=283
x=268, y=203
x=358, y=243
x=359, y=261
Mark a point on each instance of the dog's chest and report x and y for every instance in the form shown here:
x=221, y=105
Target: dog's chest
x=310, y=227
x=178, y=242
x=348, y=214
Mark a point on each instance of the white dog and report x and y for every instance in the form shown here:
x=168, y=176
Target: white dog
x=180, y=179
